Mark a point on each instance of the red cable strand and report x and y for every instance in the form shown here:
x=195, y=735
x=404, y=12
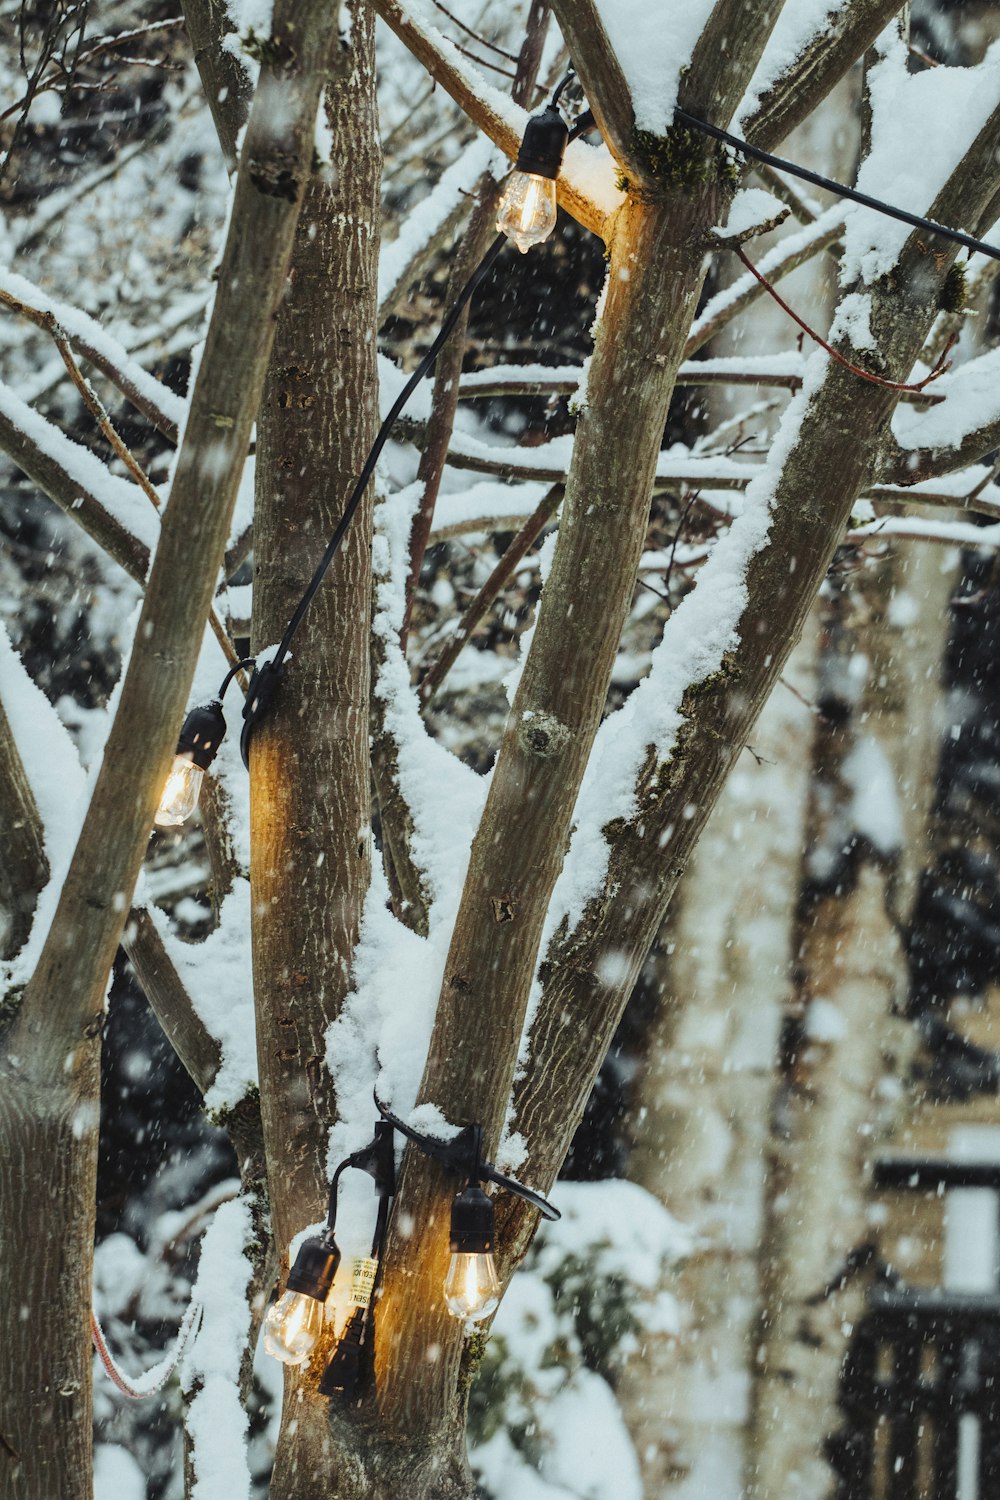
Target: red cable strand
x=893, y=385
x=139, y=1391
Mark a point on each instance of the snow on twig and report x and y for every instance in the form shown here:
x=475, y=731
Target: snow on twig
x=83, y=330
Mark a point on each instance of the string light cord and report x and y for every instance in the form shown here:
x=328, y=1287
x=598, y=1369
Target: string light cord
x=942, y=365
x=155, y=1379
x=464, y=1154
x=266, y=678
x=237, y=666
x=842, y=191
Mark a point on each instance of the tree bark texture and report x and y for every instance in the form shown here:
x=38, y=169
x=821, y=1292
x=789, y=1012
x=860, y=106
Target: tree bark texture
x=24, y=869
x=838, y=439
x=49, y=1073
x=702, y=1101
x=654, y=281
x=849, y=1067
x=310, y=773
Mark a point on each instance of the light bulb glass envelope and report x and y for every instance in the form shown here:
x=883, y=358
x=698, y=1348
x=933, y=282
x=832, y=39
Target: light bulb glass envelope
x=292, y=1327
x=472, y=1287
x=203, y=732
x=527, y=213
x=180, y=795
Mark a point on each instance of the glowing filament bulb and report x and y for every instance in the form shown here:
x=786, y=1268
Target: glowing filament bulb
x=527, y=213
x=180, y=795
x=292, y=1327
x=202, y=733
x=472, y=1287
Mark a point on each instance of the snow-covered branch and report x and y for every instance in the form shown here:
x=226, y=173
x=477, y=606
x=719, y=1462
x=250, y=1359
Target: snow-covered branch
x=586, y=182
x=111, y=510
x=810, y=49
x=86, y=337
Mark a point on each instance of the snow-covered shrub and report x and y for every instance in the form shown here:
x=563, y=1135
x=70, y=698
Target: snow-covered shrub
x=544, y=1422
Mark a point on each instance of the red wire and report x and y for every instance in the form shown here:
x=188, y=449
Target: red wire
x=118, y=1377
x=892, y=385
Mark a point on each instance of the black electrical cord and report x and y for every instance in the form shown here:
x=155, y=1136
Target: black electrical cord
x=463, y=1153
x=842, y=191
x=247, y=661
x=265, y=680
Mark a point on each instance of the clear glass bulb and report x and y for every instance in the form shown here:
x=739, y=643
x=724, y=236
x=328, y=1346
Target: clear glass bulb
x=472, y=1287
x=180, y=795
x=527, y=213
x=292, y=1327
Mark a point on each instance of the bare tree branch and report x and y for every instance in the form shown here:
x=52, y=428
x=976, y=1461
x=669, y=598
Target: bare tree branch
x=167, y=994
x=87, y=338
x=529, y=533
x=24, y=868
x=778, y=263
x=52, y=469
x=227, y=87
x=726, y=53
x=605, y=84
x=844, y=37
x=905, y=466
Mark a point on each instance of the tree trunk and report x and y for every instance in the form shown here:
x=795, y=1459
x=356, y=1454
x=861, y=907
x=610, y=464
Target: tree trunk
x=653, y=283
x=702, y=1101
x=850, y=1063
x=310, y=776
x=50, y=1073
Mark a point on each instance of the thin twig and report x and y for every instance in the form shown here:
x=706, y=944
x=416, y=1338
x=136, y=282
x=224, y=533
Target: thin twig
x=96, y=407
x=436, y=673
x=475, y=34
x=481, y=62
x=939, y=369
x=98, y=411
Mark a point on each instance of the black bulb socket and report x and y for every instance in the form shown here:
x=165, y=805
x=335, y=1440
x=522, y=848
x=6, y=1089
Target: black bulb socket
x=315, y=1267
x=342, y=1374
x=203, y=732
x=544, y=143
x=473, y=1226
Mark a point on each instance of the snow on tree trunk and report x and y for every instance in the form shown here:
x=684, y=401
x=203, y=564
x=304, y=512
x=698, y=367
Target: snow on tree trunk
x=876, y=761
x=703, y=1099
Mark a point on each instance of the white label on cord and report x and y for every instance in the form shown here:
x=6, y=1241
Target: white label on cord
x=363, y=1272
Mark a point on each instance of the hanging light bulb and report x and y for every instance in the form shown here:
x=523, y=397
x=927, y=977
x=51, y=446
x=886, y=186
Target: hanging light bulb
x=293, y=1325
x=202, y=734
x=527, y=213
x=472, y=1287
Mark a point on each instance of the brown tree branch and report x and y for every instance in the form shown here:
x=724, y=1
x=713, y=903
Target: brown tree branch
x=24, y=868
x=169, y=1000
x=435, y=674
x=838, y=437
x=905, y=466
x=845, y=37
x=447, y=375
x=113, y=366
x=227, y=87
x=710, y=324
x=54, y=479
x=604, y=82
x=726, y=53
